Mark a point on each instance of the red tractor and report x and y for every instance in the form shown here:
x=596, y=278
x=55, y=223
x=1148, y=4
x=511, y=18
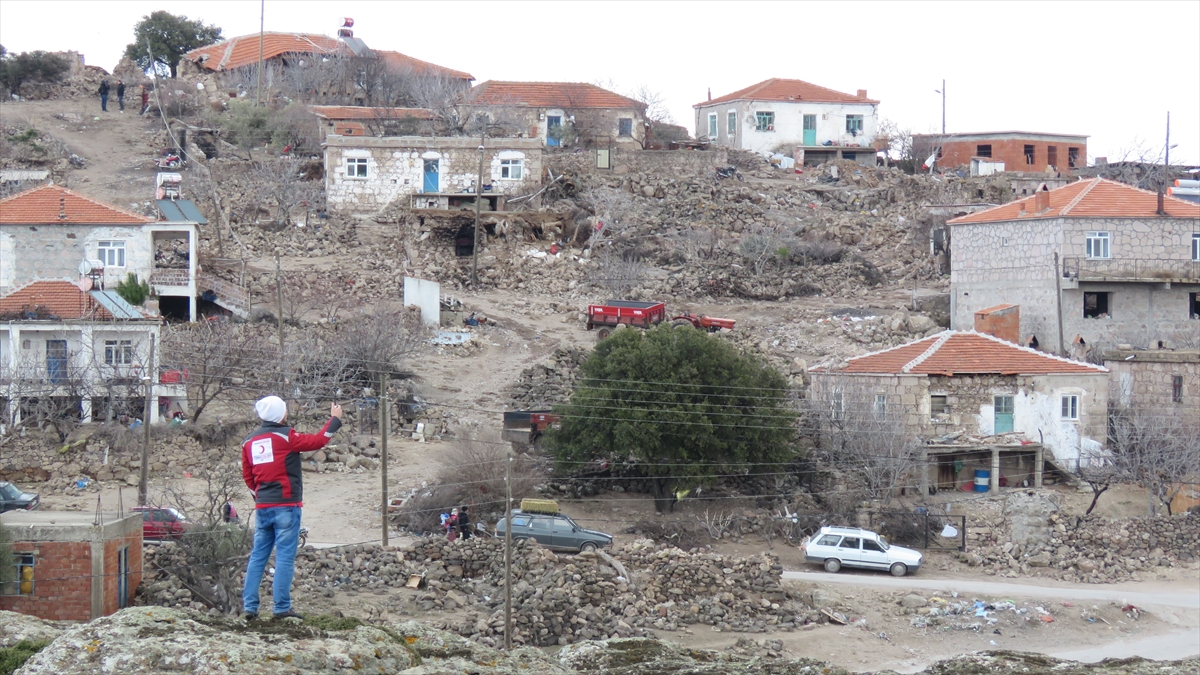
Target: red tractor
x=644, y=315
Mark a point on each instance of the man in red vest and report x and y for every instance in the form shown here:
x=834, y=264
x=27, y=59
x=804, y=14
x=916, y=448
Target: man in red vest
x=271, y=469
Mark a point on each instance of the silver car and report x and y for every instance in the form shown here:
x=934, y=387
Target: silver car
x=554, y=531
x=838, y=547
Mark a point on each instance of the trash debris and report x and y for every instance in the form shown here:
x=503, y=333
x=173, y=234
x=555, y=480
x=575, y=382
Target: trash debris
x=1046, y=618
x=835, y=617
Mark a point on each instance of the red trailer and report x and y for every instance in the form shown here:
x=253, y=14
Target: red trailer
x=624, y=312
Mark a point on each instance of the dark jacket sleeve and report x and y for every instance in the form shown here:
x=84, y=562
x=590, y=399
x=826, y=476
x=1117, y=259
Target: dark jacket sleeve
x=309, y=442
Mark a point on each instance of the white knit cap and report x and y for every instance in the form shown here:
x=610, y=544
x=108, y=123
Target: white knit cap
x=271, y=409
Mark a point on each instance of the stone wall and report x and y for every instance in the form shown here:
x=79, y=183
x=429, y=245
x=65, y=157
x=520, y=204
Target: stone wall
x=1142, y=379
x=674, y=163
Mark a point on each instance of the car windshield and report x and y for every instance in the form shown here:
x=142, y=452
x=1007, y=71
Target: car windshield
x=178, y=515
x=883, y=543
x=9, y=491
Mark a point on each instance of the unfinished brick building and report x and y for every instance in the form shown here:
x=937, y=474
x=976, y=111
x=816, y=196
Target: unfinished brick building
x=1020, y=151
x=72, y=566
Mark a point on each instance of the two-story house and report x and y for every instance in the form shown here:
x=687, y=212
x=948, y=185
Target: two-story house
x=809, y=122
x=67, y=352
x=563, y=113
x=1093, y=265
x=50, y=232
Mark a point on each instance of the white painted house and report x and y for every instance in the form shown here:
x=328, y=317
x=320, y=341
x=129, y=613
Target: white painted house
x=802, y=120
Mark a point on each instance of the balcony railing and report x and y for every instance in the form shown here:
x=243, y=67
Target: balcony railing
x=1146, y=270
x=169, y=277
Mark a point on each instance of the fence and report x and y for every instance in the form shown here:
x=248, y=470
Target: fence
x=921, y=529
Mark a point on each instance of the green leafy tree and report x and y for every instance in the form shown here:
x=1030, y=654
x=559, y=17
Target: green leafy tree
x=680, y=403
x=169, y=37
x=38, y=66
x=133, y=291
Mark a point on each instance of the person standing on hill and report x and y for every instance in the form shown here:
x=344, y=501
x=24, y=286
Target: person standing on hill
x=121, y=94
x=145, y=99
x=104, y=95
x=271, y=469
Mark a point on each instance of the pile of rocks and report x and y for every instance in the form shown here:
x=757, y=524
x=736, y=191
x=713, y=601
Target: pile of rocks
x=1094, y=550
x=549, y=382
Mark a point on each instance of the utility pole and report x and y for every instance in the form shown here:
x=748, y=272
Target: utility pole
x=1058, y=275
x=508, y=627
x=1166, y=177
x=943, y=106
x=279, y=301
x=144, y=476
x=262, y=13
x=384, y=428
x=478, y=199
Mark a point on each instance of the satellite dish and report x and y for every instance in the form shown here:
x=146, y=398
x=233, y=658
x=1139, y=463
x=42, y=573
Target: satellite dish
x=85, y=268
x=84, y=284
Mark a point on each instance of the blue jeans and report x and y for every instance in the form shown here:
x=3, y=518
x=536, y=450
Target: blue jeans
x=104, y=102
x=277, y=528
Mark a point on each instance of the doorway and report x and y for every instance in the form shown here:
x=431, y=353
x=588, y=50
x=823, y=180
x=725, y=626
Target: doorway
x=431, y=184
x=56, y=361
x=123, y=577
x=1003, y=415
x=810, y=129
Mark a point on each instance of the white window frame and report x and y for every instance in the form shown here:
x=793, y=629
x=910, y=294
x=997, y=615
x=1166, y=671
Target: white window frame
x=111, y=252
x=731, y=123
x=856, y=128
x=118, y=352
x=1069, y=410
x=1099, y=245
x=880, y=406
x=356, y=168
x=761, y=116
x=712, y=125
x=512, y=169
x=1196, y=246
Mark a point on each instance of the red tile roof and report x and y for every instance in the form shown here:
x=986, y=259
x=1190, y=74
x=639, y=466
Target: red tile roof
x=62, y=299
x=350, y=112
x=1092, y=198
x=243, y=51
x=964, y=353
x=549, y=95
x=778, y=89
x=419, y=67
x=53, y=205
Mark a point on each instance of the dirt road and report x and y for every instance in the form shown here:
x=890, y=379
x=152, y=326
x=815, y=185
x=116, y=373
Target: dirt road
x=1176, y=603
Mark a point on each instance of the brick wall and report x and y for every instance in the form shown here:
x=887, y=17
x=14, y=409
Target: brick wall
x=111, y=548
x=1012, y=153
x=62, y=581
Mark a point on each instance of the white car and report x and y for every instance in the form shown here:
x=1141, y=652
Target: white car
x=838, y=547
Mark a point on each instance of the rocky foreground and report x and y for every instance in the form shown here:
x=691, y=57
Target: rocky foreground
x=158, y=640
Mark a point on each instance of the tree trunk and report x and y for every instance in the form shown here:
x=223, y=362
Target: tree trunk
x=174, y=69
x=1095, y=498
x=664, y=495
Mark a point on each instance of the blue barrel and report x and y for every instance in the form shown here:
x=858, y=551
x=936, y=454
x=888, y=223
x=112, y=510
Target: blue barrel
x=983, y=478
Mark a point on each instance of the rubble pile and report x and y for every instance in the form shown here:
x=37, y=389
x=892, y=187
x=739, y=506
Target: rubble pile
x=1094, y=550
x=548, y=383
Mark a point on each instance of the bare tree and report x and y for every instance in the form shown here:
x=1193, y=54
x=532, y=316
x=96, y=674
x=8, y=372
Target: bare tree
x=283, y=181
x=764, y=244
x=618, y=272
x=216, y=357
x=1158, y=449
x=615, y=209
x=860, y=430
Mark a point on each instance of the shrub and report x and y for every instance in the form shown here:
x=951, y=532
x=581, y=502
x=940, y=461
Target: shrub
x=37, y=66
x=15, y=656
x=133, y=291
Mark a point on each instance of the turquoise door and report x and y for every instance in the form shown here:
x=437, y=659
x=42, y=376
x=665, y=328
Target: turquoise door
x=552, y=122
x=810, y=129
x=1004, y=415
x=431, y=176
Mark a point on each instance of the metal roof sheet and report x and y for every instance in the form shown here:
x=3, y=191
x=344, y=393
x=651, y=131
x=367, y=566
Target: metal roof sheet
x=181, y=211
x=116, y=305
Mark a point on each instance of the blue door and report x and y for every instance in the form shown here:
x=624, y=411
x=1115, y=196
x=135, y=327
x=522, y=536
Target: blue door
x=431, y=176
x=1004, y=415
x=56, y=361
x=553, y=122
x=810, y=129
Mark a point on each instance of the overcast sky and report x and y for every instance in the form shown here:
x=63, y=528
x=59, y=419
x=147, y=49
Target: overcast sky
x=1110, y=70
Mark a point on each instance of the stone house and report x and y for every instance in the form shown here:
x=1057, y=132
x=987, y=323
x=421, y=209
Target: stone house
x=72, y=566
x=806, y=121
x=974, y=401
x=74, y=353
x=1155, y=379
x=348, y=120
x=50, y=232
x=562, y=113
x=1017, y=151
x=366, y=174
x=1099, y=259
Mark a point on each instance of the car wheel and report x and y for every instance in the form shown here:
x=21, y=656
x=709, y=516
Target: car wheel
x=587, y=547
x=899, y=569
x=517, y=540
x=832, y=565
x=603, y=333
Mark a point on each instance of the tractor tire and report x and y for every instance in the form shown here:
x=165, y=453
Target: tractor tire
x=682, y=323
x=603, y=333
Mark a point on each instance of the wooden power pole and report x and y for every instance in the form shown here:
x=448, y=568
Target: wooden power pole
x=478, y=200
x=279, y=302
x=385, y=420
x=144, y=476
x=508, y=626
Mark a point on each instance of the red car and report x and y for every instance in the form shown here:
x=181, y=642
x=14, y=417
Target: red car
x=159, y=523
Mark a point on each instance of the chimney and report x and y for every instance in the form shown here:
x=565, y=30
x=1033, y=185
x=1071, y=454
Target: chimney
x=62, y=207
x=1041, y=199
x=1001, y=321
x=862, y=93
x=710, y=93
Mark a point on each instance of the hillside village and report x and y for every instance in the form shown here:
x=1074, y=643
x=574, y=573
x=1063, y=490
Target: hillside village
x=983, y=346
